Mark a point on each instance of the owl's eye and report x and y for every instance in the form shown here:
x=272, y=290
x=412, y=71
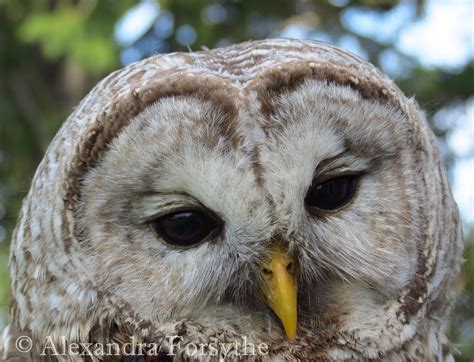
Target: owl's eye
x=186, y=227
x=332, y=194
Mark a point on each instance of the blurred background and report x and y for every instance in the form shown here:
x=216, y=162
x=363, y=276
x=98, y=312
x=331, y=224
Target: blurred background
x=52, y=52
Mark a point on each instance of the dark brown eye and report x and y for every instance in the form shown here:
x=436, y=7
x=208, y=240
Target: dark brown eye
x=332, y=194
x=185, y=228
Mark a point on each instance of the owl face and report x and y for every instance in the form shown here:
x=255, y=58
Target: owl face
x=280, y=191
x=193, y=209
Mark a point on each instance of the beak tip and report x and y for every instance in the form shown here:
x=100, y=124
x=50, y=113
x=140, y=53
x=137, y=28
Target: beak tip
x=290, y=329
x=291, y=335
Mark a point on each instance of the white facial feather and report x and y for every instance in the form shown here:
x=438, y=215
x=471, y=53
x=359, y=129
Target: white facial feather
x=317, y=131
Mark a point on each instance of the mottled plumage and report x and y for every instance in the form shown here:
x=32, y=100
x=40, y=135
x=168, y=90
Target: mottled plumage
x=242, y=131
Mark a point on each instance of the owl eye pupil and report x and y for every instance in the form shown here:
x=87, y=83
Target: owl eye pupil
x=331, y=194
x=185, y=228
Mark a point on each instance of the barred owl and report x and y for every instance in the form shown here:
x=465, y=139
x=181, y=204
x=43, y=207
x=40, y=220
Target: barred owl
x=278, y=192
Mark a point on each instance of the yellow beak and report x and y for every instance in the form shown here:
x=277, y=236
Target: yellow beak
x=280, y=289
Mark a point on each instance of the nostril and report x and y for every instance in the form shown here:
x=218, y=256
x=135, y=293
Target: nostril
x=267, y=271
x=289, y=267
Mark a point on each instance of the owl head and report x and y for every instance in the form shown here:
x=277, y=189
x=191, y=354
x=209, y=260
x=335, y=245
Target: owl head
x=284, y=191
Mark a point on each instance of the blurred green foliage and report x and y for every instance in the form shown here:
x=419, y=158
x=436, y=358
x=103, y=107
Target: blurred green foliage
x=80, y=32
x=53, y=51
